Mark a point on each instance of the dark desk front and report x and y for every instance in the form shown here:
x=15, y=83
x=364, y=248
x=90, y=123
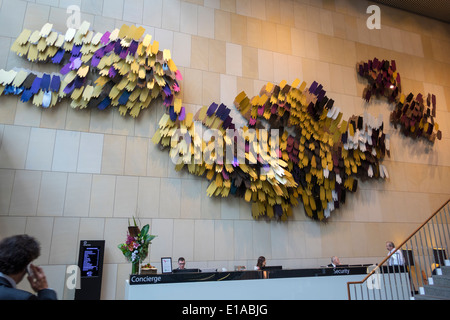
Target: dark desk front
x=244, y=275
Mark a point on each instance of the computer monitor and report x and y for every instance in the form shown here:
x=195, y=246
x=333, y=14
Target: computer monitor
x=185, y=270
x=209, y=270
x=270, y=268
x=90, y=265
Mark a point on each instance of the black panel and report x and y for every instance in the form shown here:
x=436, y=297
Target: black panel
x=90, y=262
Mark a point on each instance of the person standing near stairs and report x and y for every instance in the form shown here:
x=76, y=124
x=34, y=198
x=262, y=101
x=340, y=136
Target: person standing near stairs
x=397, y=258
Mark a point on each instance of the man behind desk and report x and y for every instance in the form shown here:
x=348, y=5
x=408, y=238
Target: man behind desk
x=334, y=262
x=181, y=263
x=16, y=253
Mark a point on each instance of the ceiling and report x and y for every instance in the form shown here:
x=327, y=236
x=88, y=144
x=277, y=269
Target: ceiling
x=436, y=9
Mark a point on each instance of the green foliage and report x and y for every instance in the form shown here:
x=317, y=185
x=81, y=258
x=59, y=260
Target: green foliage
x=136, y=248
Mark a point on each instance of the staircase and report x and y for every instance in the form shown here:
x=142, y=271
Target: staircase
x=440, y=289
x=423, y=275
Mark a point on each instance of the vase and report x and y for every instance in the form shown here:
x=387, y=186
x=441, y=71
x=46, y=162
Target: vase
x=135, y=267
x=133, y=231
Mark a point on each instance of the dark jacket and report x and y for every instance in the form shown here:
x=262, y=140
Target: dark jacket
x=7, y=292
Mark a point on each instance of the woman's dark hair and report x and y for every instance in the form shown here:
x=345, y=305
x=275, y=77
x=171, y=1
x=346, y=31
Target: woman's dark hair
x=17, y=252
x=261, y=259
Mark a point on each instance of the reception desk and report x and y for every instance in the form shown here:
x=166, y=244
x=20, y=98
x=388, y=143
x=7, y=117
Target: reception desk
x=290, y=284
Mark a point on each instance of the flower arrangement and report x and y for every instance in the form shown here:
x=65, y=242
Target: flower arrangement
x=135, y=249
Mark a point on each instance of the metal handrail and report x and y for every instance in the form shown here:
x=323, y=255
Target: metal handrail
x=444, y=229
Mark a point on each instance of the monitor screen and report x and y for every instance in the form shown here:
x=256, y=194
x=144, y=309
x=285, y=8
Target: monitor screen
x=268, y=268
x=91, y=260
x=185, y=270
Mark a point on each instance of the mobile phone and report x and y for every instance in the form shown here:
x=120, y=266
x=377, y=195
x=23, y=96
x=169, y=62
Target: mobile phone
x=29, y=271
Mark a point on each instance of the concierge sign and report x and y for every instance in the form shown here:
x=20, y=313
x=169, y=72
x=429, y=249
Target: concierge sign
x=90, y=262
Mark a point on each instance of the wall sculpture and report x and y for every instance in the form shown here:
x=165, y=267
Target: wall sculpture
x=316, y=158
x=410, y=113
x=119, y=69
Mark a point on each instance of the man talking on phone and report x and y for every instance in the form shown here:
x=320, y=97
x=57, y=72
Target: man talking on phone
x=16, y=255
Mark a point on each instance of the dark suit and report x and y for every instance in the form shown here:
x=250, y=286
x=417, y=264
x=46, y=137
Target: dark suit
x=7, y=292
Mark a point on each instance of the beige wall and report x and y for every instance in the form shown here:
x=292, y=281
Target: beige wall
x=68, y=175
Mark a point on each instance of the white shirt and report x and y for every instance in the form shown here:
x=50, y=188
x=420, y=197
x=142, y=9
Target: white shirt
x=10, y=280
x=397, y=258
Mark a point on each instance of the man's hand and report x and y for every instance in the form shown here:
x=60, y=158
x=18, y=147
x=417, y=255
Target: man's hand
x=37, y=278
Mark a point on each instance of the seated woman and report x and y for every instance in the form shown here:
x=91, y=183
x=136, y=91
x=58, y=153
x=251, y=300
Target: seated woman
x=261, y=263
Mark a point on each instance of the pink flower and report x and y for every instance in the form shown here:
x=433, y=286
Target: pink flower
x=130, y=239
